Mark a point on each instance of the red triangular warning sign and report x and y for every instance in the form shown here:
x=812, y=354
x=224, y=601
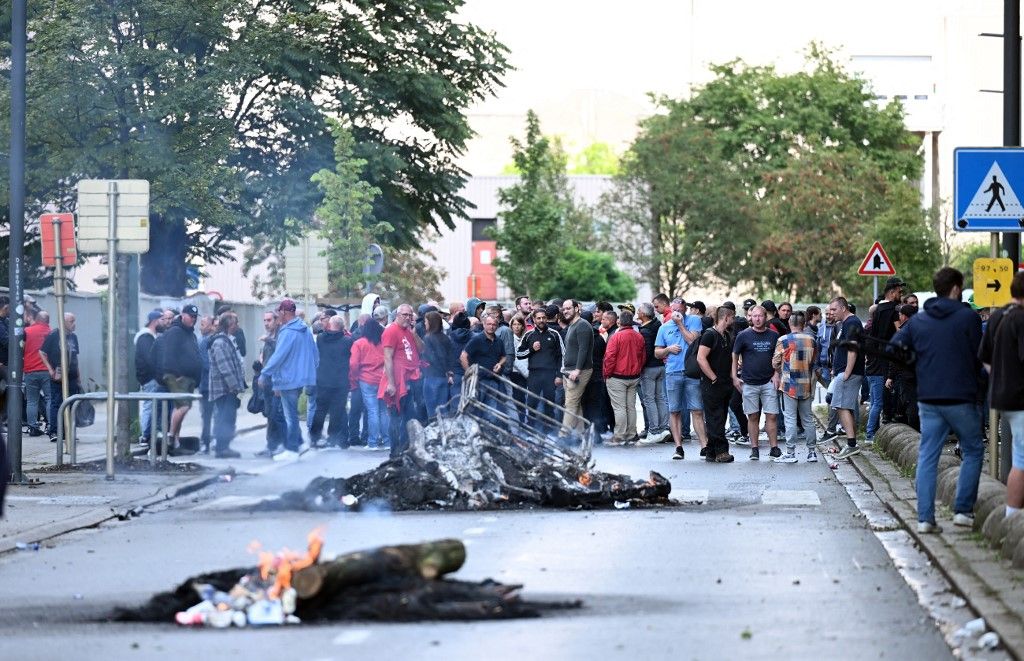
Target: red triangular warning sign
x=876, y=262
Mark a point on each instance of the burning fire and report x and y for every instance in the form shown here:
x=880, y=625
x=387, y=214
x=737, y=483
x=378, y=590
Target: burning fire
x=585, y=479
x=281, y=565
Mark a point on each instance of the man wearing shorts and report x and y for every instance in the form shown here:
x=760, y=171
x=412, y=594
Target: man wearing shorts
x=180, y=364
x=757, y=380
x=847, y=373
x=683, y=394
x=1002, y=349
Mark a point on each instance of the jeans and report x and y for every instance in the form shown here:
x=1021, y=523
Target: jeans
x=400, y=417
x=652, y=395
x=435, y=393
x=36, y=383
x=146, y=413
x=206, y=409
x=877, y=388
x=716, y=406
x=796, y=411
x=331, y=402
x=276, y=428
x=310, y=407
x=292, y=424
x=225, y=413
x=541, y=383
x=357, y=413
x=378, y=434
x=56, y=399
x=936, y=421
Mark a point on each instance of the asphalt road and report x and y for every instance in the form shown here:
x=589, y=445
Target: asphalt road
x=763, y=561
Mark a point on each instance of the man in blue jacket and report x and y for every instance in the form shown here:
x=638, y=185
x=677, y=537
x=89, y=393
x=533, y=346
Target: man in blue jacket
x=946, y=336
x=291, y=368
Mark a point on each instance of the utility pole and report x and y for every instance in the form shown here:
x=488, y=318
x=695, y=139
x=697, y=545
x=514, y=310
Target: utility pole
x=16, y=255
x=1011, y=103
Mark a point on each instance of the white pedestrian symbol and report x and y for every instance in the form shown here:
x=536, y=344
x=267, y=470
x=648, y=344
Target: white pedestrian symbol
x=995, y=198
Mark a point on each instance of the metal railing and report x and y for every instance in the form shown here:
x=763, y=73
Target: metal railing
x=490, y=400
x=70, y=444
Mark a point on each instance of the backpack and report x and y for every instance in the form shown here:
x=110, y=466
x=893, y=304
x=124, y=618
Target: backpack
x=690, y=367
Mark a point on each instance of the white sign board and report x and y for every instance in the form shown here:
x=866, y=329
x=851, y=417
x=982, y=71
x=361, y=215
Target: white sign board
x=132, y=215
x=305, y=266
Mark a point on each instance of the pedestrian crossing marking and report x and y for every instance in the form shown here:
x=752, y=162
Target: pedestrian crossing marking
x=691, y=496
x=995, y=198
x=784, y=497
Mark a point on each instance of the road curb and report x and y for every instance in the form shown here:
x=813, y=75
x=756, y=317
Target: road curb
x=95, y=517
x=980, y=576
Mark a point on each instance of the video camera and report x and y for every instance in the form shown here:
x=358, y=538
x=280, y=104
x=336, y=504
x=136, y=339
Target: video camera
x=878, y=348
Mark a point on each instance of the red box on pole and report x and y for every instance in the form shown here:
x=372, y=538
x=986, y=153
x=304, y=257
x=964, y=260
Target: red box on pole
x=68, y=247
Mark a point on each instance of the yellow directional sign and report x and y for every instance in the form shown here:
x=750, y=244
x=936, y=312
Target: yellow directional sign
x=992, y=276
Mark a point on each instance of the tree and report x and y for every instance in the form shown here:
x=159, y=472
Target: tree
x=596, y=158
x=346, y=217
x=589, y=276
x=223, y=106
x=409, y=276
x=678, y=211
x=962, y=259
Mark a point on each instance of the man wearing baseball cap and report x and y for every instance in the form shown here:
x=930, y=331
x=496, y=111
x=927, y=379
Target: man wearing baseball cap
x=181, y=366
x=289, y=369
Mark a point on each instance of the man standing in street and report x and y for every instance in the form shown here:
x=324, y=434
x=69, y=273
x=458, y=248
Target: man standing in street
x=271, y=405
x=883, y=327
x=36, y=375
x=402, y=349
x=543, y=347
x=180, y=365
x=794, y=360
x=847, y=372
x=291, y=368
x=50, y=354
x=715, y=361
x=652, y=381
x=623, y=363
x=757, y=380
x=227, y=379
x=1002, y=350
x=146, y=371
x=578, y=363
x=334, y=346
x=946, y=337
x=488, y=352
x=674, y=338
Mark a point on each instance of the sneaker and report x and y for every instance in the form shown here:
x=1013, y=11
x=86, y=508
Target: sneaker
x=963, y=520
x=686, y=437
x=788, y=458
x=286, y=455
x=649, y=439
x=828, y=436
x=742, y=440
x=755, y=454
x=775, y=452
x=725, y=458
x=632, y=441
x=35, y=431
x=704, y=452
x=928, y=528
x=227, y=454
x=812, y=457
x=679, y=453
x=848, y=452
x=643, y=434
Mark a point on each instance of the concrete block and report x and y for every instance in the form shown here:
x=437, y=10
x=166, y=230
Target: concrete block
x=1013, y=529
x=946, y=487
x=906, y=456
x=992, y=523
x=948, y=461
x=983, y=508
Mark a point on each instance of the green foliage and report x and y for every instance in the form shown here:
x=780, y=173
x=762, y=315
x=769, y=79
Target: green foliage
x=589, y=276
x=409, y=276
x=963, y=258
x=223, y=106
x=346, y=217
x=596, y=158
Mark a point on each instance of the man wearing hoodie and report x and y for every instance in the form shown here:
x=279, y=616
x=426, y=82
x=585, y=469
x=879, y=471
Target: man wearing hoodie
x=946, y=337
x=291, y=368
x=334, y=346
x=882, y=327
x=177, y=352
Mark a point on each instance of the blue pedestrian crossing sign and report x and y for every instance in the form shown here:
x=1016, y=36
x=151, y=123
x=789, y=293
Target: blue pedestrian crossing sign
x=988, y=184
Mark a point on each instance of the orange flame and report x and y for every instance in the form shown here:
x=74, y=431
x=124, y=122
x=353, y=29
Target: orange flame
x=585, y=479
x=281, y=565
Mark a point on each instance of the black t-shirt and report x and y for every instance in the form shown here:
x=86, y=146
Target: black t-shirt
x=756, y=350
x=51, y=347
x=719, y=355
x=484, y=352
x=851, y=326
x=1002, y=347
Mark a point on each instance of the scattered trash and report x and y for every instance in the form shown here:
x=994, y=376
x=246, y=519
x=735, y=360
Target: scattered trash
x=958, y=602
x=834, y=466
x=226, y=477
x=989, y=641
x=975, y=627
x=348, y=500
x=27, y=546
x=621, y=505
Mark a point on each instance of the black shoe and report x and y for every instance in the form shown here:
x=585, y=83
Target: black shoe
x=35, y=431
x=227, y=454
x=704, y=451
x=755, y=454
x=643, y=434
x=680, y=453
x=775, y=452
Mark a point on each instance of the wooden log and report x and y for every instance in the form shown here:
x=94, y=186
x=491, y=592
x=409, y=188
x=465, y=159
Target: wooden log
x=428, y=560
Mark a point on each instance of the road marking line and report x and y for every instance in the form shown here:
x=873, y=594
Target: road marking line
x=784, y=497
x=352, y=637
x=474, y=531
x=63, y=500
x=691, y=496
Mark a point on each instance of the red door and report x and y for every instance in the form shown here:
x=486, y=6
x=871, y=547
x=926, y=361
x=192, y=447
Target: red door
x=483, y=279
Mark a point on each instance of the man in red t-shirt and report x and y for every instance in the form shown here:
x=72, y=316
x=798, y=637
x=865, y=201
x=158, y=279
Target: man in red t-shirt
x=401, y=379
x=36, y=374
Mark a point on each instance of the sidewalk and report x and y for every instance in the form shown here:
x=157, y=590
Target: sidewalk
x=55, y=503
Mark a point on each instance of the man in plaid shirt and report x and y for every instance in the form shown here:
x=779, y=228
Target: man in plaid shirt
x=227, y=380
x=794, y=358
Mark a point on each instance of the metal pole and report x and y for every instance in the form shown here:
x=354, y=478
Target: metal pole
x=61, y=291
x=16, y=214
x=874, y=297
x=1011, y=103
x=993, y=415
x=111, y=320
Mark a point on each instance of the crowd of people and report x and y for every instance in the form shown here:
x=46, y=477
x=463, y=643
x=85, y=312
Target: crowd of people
x=715, y=374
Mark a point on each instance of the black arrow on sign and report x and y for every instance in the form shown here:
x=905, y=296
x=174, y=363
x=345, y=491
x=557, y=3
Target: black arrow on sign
x=877, y=263
x=994, y=285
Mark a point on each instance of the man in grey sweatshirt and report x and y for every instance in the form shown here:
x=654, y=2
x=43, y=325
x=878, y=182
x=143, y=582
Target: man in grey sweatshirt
x=577, y=363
